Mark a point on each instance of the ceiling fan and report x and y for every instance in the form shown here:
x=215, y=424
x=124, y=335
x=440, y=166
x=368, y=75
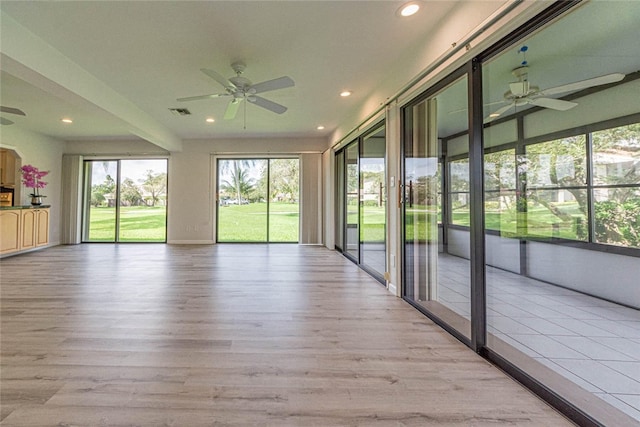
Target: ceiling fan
x=10, y=110
x=522, y=92
x=241, y=89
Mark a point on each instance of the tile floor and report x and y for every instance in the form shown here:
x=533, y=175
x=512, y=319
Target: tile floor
x=592, y=342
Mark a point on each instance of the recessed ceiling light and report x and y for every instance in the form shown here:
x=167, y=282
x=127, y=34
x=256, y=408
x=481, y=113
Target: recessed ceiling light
x=494, y=115
x=345, y=93
x=409, y=9
x=320, y=127
x=210, y=120
x=66, y=120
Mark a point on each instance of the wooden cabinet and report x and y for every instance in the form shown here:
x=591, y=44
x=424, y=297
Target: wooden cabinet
x=42, y=227
x=23, y=229
x=10, y=231
x=7, y=168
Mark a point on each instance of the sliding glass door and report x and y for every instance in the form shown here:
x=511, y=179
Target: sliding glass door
x=361, y=202
x=373, y=227
x=125, y=200
x=258, y=200
x=437, y=249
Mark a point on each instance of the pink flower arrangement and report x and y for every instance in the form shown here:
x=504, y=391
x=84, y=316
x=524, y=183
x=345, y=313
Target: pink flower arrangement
x=32, y=178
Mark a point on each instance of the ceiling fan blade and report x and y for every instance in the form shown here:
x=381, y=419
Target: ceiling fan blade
x=232, y=109
x=4, y=121
x=269, y=105
x=498, y=112
x=554, y=104
x=279, y=83
x=219, y=78
x=195, y=98
x=11, y=110
x=584, y=84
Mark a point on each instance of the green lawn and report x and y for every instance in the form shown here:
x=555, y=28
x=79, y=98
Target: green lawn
x=248, y=223
x=137, y=224
x=540, y=221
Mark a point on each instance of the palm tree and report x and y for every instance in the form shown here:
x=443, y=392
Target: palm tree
x=240, y=183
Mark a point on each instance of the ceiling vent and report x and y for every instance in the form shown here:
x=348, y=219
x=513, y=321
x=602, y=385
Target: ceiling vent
x=180, y=111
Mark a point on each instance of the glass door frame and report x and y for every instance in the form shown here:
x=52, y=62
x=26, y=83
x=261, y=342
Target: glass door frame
x=477, y=341
x=268, y=159
x=86, y=200
x=342, y=206
x=472, y=71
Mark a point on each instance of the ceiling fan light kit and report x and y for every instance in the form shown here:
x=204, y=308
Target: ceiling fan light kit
x=242, y=89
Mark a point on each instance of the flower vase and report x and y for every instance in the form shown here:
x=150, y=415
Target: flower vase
x=36, y=200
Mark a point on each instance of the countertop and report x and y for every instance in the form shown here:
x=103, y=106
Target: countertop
x=4, y=208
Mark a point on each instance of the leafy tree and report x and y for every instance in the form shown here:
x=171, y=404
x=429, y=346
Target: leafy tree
x=284, y=180
x=130, y=193
x=99, y=191
x=155, y=185
x=563, y=164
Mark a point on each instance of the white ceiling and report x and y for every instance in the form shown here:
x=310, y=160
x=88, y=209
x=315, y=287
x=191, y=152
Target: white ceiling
x=139, y=56
x=116, y=67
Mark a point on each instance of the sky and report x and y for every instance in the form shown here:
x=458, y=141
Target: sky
x=135, y=169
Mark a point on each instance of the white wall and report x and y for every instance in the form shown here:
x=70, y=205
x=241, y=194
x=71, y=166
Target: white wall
x=191, y=189
x=459, y=243
x=609, y=276
x=45, y=153
x=503, y=253
x=616, y=102
x=191, y=209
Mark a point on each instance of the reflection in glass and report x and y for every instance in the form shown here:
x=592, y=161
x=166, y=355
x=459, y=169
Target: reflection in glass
x=617, y=216
x=616, y=173
x=339, y=201
x=551, y=290
x=437, y=270
x=373, y=202
x=557, y=163
x=352, y=236
x=500, y=191
x=459, y=191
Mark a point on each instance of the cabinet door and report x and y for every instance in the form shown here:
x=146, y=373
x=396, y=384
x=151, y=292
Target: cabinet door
x=42, y=227
x=9, y=231
x=28, y=228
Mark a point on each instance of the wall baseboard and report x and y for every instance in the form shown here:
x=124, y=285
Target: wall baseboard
x=392, y=288
x=190, y=242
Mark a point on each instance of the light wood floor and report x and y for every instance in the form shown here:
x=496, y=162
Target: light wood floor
x=238, y=335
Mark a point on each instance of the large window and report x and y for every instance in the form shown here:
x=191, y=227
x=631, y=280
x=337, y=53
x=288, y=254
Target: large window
x=258, y=200
x=125, y=200
x=459, y=191
x=584, y=187
x=500, y=204
x=556, y=182
x=616, y=185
